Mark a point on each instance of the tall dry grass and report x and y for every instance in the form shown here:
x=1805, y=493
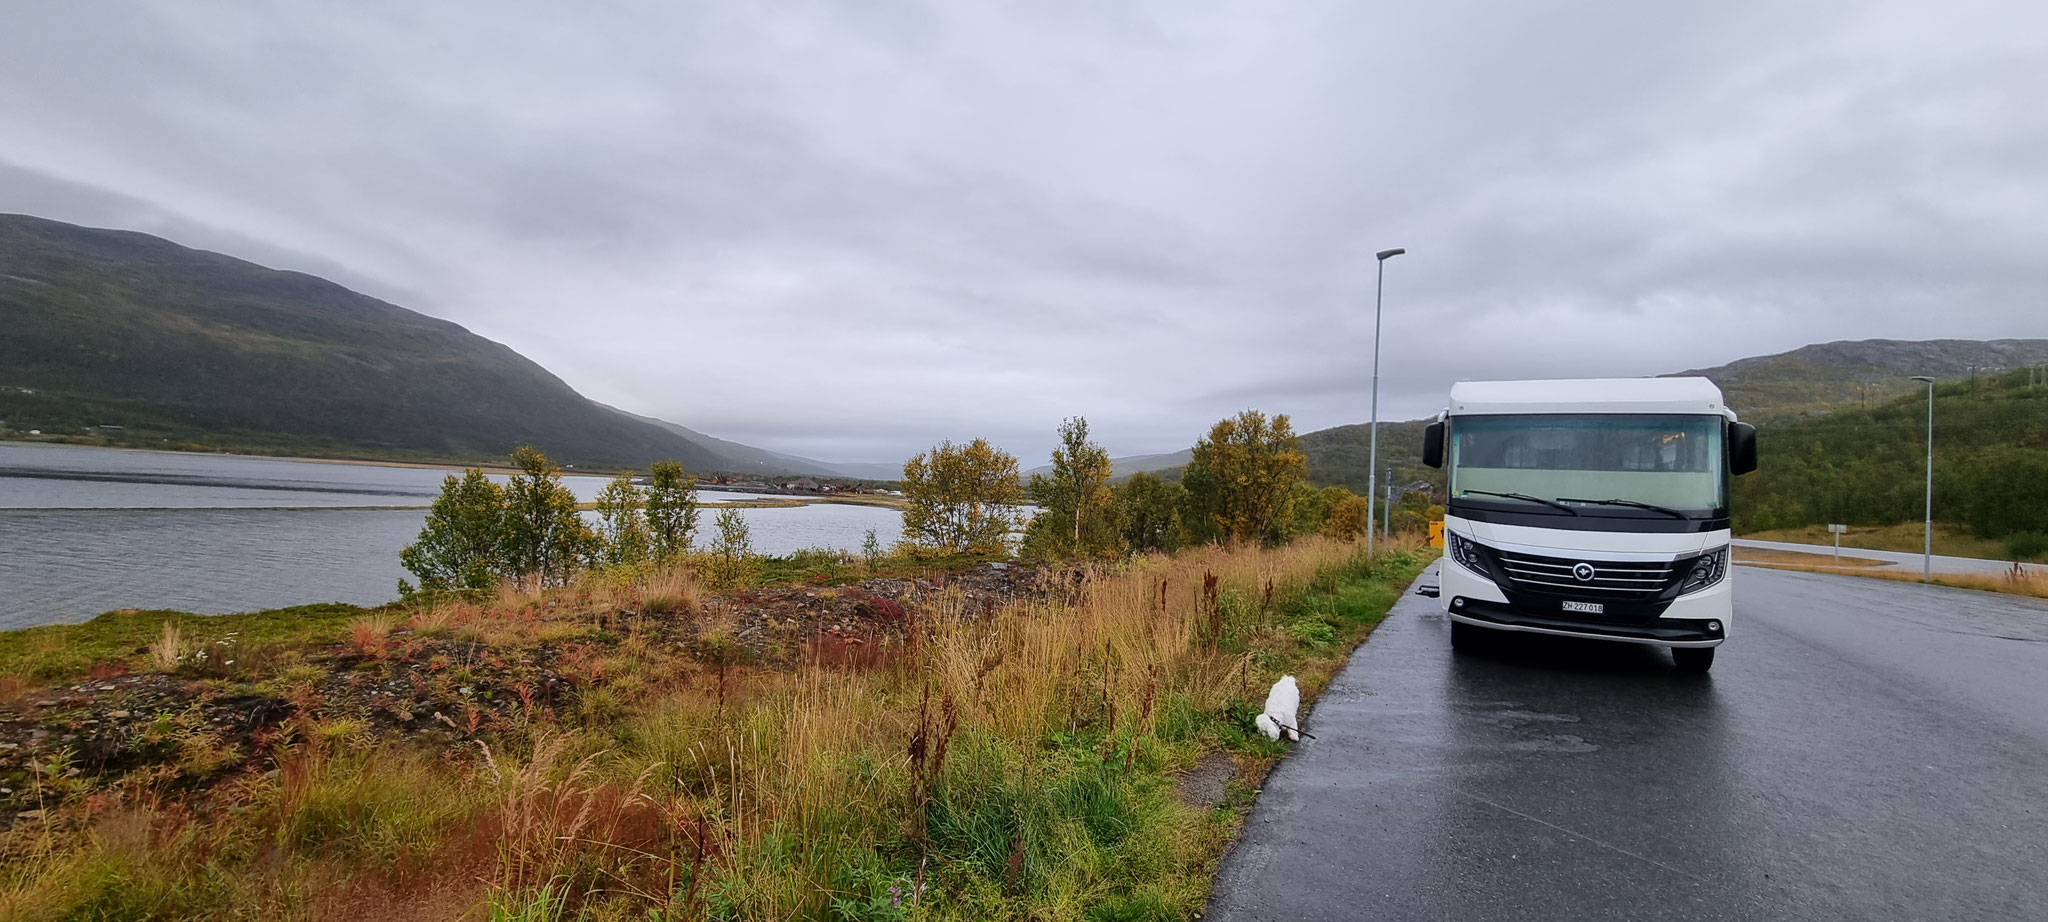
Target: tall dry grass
x=169, y=649
x=672, y=590
x=996, y=758
x=832, y=755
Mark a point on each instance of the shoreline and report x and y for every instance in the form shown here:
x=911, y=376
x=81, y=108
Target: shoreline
x=449, y=466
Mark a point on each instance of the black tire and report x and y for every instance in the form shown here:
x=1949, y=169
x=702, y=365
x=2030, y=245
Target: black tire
x=1465, y=637
x=1692, y=660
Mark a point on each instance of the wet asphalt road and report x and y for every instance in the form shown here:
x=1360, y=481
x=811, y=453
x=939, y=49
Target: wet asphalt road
x=1863, y=749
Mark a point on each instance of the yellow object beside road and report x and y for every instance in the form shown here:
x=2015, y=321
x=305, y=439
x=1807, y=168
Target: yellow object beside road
x=1436, y=533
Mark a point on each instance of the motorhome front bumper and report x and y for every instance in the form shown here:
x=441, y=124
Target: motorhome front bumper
x=1670, y=632
x=1698, y=619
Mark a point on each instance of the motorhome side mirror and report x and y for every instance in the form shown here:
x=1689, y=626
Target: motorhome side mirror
x=1741, y=448
x=1433, y=444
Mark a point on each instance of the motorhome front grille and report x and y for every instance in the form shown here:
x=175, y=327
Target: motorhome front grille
x=1616, y=579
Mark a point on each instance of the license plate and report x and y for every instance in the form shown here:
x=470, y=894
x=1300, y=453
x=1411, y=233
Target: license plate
x=1590, y=608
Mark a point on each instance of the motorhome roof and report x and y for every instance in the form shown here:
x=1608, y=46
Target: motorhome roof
x=1589, y=395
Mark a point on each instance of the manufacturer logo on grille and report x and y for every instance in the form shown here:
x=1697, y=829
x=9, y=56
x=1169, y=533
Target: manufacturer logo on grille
x=1583, y=572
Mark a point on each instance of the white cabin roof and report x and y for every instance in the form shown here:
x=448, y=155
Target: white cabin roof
x=1589, y=395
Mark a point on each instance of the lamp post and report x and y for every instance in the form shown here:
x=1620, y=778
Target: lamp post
x=1372, y=464
x=1927, y=527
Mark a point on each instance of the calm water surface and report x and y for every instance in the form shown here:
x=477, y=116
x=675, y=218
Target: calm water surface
x=84, y=530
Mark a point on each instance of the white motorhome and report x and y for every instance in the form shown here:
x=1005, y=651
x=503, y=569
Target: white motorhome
x=1590, y=508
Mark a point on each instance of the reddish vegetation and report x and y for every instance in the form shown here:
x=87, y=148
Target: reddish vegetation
x=454, y=674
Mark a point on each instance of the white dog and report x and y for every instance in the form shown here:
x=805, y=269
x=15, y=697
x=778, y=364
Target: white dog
x=1281, y=703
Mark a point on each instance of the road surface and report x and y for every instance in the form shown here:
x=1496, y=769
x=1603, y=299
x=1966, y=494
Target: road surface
x=1904, y=561
x=1863, y=749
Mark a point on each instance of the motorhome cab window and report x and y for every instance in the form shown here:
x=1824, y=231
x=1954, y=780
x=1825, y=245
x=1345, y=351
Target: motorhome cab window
x=1668, y=462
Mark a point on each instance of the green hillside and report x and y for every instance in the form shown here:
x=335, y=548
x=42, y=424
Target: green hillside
x=1793, y=388
x=1868, y=467
x=117, y=329
x=1861, y=374
x=1338, y=456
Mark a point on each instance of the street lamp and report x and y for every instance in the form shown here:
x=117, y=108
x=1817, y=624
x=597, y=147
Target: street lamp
x=1927, y=527
x=1372, y=464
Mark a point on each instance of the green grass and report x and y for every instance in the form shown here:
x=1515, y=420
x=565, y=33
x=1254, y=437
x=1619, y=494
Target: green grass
x=1087, y=826
x=59, y=651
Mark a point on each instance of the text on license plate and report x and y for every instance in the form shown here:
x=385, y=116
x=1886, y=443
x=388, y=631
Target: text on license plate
x=1591, y=608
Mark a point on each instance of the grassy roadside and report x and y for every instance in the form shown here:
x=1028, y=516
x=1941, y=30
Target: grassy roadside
x=2017, y=582
x=1949, y=540
x=974, y=762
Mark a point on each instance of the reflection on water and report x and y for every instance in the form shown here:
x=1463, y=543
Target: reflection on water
x=68, y=565
x=74, y=477
x=84, y=530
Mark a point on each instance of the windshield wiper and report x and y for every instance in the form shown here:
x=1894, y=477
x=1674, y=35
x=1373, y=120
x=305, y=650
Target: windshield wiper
x=1667, y=510
x=1523, y=496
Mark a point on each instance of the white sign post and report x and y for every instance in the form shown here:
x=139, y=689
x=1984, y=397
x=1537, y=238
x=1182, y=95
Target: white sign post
x=1837, y=531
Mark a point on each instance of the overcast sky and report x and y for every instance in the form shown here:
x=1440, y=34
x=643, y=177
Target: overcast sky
x=849, y=230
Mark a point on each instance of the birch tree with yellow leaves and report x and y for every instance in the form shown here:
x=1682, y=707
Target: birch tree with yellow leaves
x=961, y=499
x=1241, y=479
x=1074, y=515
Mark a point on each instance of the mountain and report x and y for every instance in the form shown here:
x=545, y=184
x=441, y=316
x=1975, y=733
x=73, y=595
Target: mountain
x=1120, y=468
x=746, y=459
x=1336, y=456
x=1804, y=382
x=1858, y=373
x=144, y=342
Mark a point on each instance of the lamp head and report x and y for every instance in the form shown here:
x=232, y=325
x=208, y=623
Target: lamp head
x=1384, y=255
x=1923, y=378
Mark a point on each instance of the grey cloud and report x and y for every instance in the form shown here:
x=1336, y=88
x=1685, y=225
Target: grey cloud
x=850, y=231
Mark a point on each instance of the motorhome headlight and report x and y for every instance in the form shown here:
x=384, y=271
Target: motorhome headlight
x=1707, y=569
x=1465, y=552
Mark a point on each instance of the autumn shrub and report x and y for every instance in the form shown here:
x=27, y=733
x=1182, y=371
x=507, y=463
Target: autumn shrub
x=730, y=562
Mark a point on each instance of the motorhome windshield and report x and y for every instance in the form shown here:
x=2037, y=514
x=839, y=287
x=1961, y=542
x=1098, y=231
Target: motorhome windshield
x=1651, y=465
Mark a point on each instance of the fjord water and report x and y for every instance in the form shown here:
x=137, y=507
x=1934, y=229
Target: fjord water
x=85, y=530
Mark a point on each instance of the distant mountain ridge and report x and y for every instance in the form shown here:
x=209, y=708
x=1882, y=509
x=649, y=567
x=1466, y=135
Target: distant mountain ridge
x=1858, y=373
x=748, y=459
x=1125, y=467
x=125, y=333
x=144, y=342
x=1806, y=381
